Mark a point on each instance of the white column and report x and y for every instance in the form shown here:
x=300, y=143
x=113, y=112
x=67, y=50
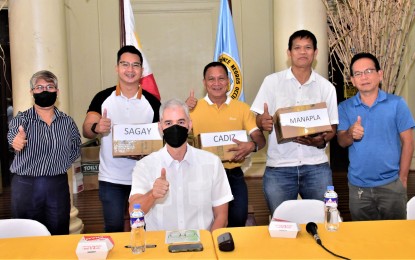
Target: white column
x=38, y=42
x=293, y=15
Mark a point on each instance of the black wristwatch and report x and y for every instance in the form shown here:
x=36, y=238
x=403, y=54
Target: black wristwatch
x=256, y=146
x=323, y=145
x=94, y=125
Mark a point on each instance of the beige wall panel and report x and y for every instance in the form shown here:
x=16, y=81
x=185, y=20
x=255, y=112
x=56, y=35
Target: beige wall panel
x=178, y=40
x=253, y=21
x=83, y=55
x=93, y=40
x=109, y=41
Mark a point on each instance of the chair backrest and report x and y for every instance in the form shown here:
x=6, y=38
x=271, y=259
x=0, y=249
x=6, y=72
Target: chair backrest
x=410, y=209
x=300, y=211
x=16, y=227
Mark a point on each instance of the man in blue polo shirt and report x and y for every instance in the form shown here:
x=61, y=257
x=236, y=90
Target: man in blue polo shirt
x=378, y=130
x=126, y=103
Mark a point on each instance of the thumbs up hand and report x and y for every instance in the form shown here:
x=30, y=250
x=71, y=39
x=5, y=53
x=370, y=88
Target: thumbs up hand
x=160, y=186
x=356, y=131
x=19, y=142
x=266, y=120
x=191, y=101
x=104, y=124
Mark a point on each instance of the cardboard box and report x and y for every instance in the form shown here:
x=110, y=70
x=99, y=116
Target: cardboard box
x=283, y=228
x=292, y=122
x=219, y=143
x=90, y=167
x=94, y=247
x=136, y=139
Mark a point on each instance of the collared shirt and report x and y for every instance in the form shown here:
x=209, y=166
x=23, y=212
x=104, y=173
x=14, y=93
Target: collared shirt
x=50, y=149
x=281, y=90
x=140, y=109
x=375, y=159
x=230, y=116
x=196, y=185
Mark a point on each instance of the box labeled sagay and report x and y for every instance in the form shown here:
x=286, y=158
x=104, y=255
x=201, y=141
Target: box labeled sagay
x=283, y=228
x=94, y=247
x=136, y=139
x=220, y=142
x=292, y=122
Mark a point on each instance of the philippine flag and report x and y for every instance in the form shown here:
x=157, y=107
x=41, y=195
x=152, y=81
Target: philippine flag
x=147, y=81
x=226, y=51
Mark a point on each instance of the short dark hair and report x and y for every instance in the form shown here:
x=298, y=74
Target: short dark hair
x=215, y=64
x=302, y=34
x=129, y=49
x=363, y=55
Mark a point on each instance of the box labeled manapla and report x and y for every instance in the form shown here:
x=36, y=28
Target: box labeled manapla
x=296, y=121
x=136, y=139
x=219, y=143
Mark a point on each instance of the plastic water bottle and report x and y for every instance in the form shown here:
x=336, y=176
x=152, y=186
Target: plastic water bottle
x=138, y=233
x=331, y=219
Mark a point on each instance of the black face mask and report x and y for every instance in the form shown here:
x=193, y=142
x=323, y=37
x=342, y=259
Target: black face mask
x=45, y=98
x=175, y=135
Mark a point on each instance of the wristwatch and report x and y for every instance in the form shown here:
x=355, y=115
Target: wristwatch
x=256, y=146
x=94, y=125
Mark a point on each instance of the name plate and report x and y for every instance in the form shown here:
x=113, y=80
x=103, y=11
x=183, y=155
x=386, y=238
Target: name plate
x=132, y=132
x=307, y=119
x=222, y=138
x=135, y=139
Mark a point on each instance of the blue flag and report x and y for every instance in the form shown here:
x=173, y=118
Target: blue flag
x=226, y=51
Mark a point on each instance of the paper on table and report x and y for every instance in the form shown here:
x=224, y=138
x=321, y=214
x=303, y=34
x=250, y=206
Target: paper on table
x=182, y=236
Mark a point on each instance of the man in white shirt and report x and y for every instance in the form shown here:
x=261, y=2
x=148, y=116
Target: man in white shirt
x=299, y=167
x=179, y=186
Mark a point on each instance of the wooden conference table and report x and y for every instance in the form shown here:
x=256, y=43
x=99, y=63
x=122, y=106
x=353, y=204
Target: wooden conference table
x=355, y=240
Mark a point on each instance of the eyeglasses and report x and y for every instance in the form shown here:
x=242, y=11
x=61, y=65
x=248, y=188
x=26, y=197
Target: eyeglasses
x=40, y=88
x=126, y=65
x=188, y=234
x=358, y=74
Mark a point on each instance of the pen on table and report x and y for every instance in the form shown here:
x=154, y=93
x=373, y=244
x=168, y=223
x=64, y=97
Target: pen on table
x=147, y=246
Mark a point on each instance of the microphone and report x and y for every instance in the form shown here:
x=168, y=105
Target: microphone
x=311, y=228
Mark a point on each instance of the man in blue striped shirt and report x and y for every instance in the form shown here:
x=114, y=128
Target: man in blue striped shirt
x=46, y=142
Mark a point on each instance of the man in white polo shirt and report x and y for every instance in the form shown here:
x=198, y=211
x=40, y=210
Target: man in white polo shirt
x=179, y=186
x=126, y=103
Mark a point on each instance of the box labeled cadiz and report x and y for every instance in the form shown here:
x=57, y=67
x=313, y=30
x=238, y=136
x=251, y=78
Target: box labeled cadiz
x=136, y=139
x=296, y=121
x=220, y=142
